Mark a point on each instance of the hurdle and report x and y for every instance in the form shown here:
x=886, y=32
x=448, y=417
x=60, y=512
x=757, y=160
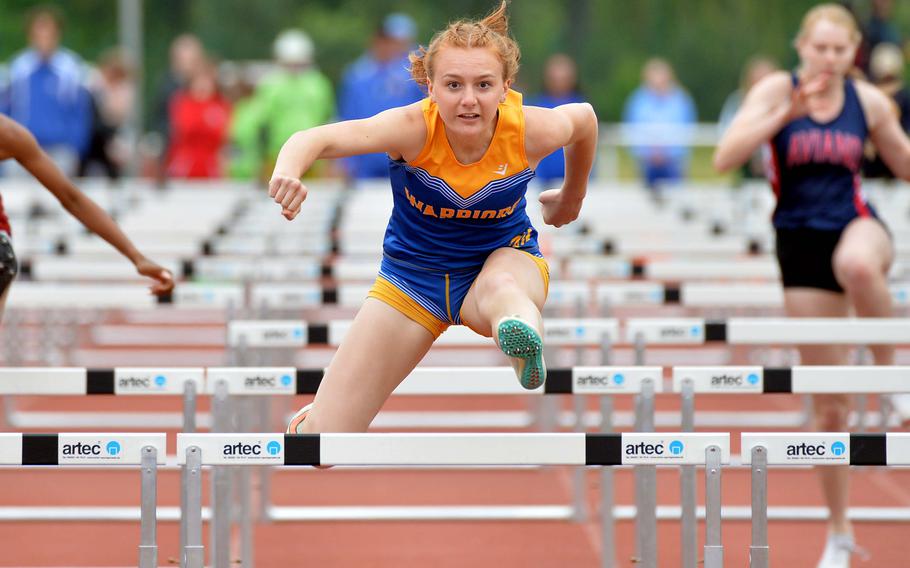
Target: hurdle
x=689, y=381
x=760, y=450
x=461, y=449
x=99, y=449
x=277, y=381
x=122, y=381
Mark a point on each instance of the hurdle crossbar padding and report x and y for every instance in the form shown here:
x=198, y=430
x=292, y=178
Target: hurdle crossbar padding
x=454, y=449
x=81, y=381
x=104, y=449
x=272, y=333
x=829, y=448
x=672, y=331
x=798, y=379
x=65, y=295
x=862, y=331
x=735, y=295
x=278, y=333
x=443, y=380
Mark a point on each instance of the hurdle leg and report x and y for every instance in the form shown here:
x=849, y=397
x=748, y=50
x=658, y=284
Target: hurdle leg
x=193, y=551
x=148, y=527
x=608, y=522
x=221, y=485
x=189, y=426
x=759, y=550
x=245, y=486
x=714, y=549
x=646, y=485
x=688, y=522
x=579, y=492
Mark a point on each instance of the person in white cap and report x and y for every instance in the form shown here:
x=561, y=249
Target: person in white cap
x=295, y=97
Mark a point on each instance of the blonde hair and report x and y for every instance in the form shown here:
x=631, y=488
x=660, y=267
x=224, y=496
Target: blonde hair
x=834, y=13
x=492, y=32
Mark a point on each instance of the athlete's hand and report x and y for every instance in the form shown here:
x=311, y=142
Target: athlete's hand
x=164, y=279
x=558, y=207
x=805, y=89
x=289, y=193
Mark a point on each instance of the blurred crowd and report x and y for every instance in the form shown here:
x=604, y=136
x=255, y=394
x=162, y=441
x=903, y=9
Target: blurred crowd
x=214, y=119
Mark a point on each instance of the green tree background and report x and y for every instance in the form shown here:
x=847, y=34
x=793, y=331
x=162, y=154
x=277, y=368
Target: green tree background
x=707, y=41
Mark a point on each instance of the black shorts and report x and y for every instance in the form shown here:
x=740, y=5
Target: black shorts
x=806, y=258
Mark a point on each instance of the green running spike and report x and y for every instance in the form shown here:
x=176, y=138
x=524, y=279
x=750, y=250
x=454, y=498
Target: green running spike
x=519, y=340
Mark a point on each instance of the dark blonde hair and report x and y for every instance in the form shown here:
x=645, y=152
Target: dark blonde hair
x=492, y=32
x=834, y=13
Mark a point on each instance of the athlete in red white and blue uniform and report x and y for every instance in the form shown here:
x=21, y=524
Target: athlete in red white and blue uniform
x=834, y=252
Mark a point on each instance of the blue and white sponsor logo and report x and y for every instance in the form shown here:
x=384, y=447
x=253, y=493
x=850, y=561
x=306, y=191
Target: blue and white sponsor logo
x=298, y=332
x=677, y=447
x=160, y=381
x=113, y=448
x=817, y=450
x=838, y=448
x=619, y=379
x=246, y=449
x=286, y=380
x=695, y=331
x=656, y=449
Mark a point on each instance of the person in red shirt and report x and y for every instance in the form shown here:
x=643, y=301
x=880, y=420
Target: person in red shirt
x=200, y=117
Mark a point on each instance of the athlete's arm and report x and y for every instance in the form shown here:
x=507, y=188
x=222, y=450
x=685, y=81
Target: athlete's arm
x=398, y=132
x=574, y=127
x=885, y=130
x=768, y=106
x=18, y=143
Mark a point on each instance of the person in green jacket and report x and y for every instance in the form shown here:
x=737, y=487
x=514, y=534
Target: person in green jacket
x=297, y=96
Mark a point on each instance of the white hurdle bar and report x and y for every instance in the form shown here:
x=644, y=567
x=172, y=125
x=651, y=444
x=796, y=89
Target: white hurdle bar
x=99, y=449
x=761, y=450
x=461, y=449
x=635, y=331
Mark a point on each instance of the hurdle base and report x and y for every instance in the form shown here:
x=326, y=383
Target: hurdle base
x=714, y=556
x=148, y=556
x=759, y=556
x=194, y=556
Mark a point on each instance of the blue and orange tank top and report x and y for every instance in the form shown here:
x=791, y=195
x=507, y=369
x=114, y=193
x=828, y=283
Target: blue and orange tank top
x=451, y=216
x=815, y=169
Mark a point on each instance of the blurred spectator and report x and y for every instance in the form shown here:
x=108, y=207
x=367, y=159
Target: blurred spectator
x=377, y=81
x=46, y=92
x=880, y=28
x=886, y=71
x=560, y=87
x=295, y=97
x=656, y=111
x=756, y=69
x=113, y=95
x=199, y=123
x=186, y=54
x=244, y=134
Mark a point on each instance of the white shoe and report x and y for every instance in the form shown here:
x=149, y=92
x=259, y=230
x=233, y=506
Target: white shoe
x=838, y=550
x=901, y=405
x=298, y=418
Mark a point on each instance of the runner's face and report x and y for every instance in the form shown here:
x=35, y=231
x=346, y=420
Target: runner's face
x=468, y=86
x=827, y=48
